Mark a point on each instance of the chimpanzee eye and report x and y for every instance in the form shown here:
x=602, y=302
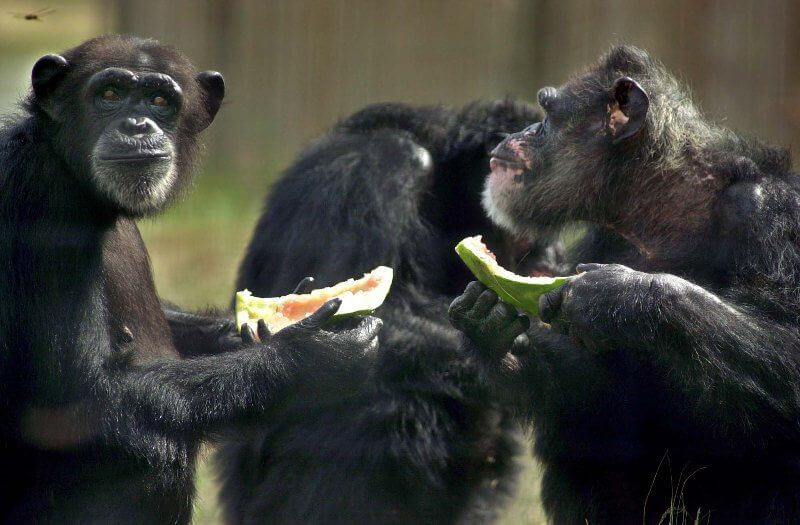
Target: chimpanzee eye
x=160, y=101
x=110, y=95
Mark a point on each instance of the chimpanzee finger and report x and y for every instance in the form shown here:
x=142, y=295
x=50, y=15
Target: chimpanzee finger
x=464, y=302
x=588, y=267
x=520, y=325
x=521, y=343
x=247, y=334
x=323, y=314
x=304, y=286
x=263, y=330
x=367, y=330
x=372, y=327
x=502, y=316
x=484, y=304
x=517, y=327
x=550, y=303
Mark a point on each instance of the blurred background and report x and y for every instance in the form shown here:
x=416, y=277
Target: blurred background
x=293, y=67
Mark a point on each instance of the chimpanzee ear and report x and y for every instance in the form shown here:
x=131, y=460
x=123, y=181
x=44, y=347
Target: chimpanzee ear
x=213, y=86
x=627, y=115
x=47, y=72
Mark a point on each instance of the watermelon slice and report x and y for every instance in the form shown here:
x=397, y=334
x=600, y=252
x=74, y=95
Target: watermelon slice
x=359, y=296
x=516, y=290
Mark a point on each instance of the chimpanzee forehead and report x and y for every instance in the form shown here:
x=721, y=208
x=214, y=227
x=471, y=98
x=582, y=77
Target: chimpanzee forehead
x=143, y=60
x=590, y=87
x=141, y=65
x=136, y=55
x=575, y=97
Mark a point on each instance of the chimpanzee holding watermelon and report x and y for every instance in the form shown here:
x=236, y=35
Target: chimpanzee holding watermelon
x=667, y=386
x=105, y=398
x=420, y=439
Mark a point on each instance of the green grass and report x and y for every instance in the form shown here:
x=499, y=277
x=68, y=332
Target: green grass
x=195, y=250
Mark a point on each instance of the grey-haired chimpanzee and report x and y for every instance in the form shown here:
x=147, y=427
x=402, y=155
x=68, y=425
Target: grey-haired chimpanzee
x=102, y=414
x=668, y=380
x=418, y=440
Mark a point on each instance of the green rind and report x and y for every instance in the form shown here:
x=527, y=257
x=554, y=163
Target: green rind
x=520, y=293
x=345, y=315
x=246, y=307
x=243, y=312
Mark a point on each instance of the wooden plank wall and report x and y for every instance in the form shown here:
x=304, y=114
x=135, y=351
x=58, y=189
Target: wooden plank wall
x=295, y=66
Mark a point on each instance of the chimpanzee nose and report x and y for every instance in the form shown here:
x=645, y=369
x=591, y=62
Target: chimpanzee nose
x=138, y=126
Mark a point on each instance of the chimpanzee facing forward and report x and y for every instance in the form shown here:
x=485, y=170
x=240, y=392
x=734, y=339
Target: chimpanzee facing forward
x=669, y=381
x=419, y=439
x=101, y=416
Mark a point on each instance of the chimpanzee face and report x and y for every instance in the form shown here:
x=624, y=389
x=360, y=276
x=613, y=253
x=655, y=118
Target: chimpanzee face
x=552, y=171
x=126, y=124
x=133, y=120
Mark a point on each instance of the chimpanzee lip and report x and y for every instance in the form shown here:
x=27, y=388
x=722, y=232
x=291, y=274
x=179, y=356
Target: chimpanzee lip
x=139, y=155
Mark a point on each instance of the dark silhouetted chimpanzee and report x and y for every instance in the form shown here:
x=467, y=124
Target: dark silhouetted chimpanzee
x=668, y=380
x=101, y=415
x=419, y=440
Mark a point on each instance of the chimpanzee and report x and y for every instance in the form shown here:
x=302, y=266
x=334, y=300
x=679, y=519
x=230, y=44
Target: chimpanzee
x=418, y=440
x=667, y=385
x=101, y=415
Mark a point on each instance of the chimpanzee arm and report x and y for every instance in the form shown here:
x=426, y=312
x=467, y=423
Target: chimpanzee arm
x=737, y=372
x=212, y=332
x=196, y=334
x=197, y=396
x=421, y=438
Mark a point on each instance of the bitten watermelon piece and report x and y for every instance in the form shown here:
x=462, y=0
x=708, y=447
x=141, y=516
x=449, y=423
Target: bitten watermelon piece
x=359, y=296
x=516, y=290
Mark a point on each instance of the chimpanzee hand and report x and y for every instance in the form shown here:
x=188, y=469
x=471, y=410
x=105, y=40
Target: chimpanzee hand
x=341, y=341
x=489, y=322
x=596, y=306
x=231, y=337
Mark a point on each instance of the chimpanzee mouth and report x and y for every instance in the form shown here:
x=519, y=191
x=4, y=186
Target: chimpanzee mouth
x=137, y=156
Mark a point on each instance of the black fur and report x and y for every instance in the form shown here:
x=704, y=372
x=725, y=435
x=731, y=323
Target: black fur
x=420, y=440
x=101, y=416
x=671, y=384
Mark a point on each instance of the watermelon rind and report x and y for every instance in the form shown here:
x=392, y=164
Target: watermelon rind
x=517, y=290
x=249, y=308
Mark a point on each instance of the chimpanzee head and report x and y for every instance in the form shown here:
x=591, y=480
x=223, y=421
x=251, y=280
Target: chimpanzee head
x=601, y=130
x=124, y=115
